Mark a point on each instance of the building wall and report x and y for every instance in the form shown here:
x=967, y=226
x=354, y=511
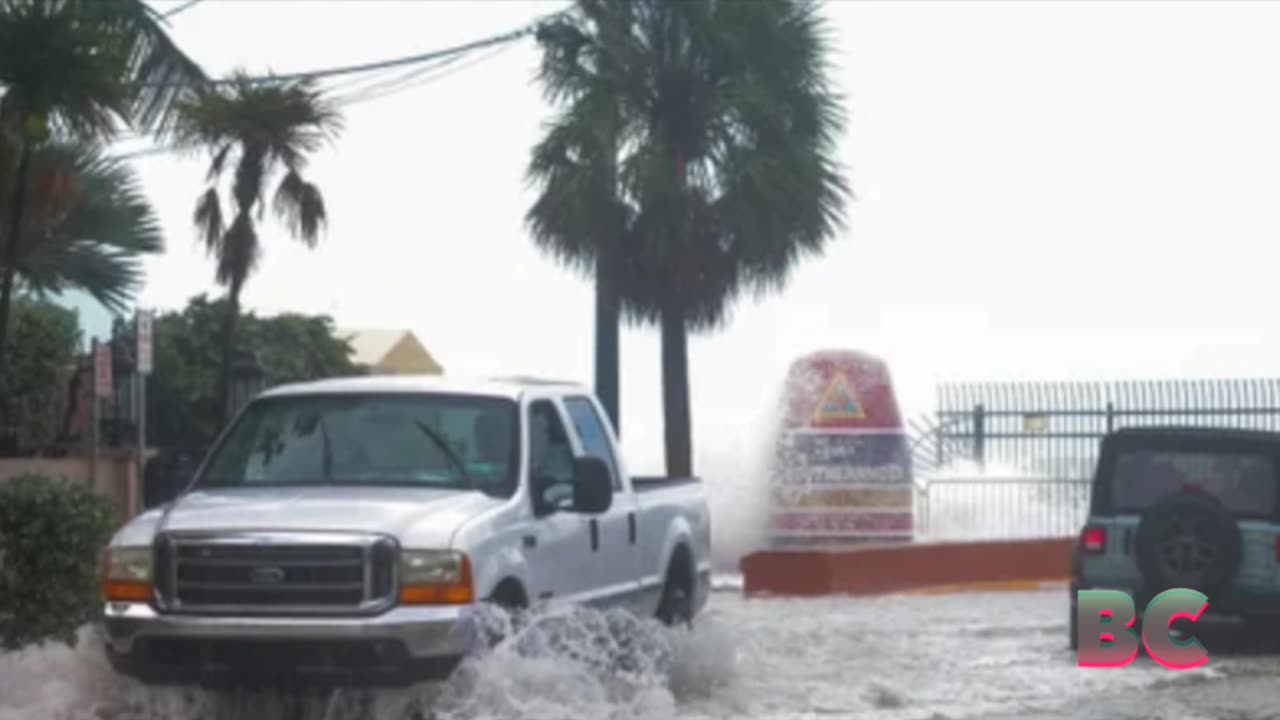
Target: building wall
x=408, y=357
x=116, y=471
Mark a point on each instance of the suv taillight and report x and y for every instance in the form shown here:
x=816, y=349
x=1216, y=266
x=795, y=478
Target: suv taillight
x=1093, y=540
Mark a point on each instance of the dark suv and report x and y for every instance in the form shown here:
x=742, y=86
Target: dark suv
x=1185, y=507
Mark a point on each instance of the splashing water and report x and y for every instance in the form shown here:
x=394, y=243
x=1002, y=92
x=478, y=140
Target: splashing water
x=964, y=502
x=893, y=658
x=570, y=662
x=738, y=495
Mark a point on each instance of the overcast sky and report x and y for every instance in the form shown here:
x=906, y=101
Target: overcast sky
x=1045, y=191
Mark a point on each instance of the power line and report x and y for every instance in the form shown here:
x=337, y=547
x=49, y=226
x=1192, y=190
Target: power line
x=185, y=6
x=400, y=80
x=439, y=59
x=418, y=77
x=402, y=61
x=346, y=90
x=367, y=94
x=442, y=73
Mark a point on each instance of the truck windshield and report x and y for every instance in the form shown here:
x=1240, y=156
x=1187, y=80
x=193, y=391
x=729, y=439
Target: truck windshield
x=1245, y=483
x=418, y=440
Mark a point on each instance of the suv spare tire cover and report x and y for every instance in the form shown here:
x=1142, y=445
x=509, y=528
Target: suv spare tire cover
x=1188, y=541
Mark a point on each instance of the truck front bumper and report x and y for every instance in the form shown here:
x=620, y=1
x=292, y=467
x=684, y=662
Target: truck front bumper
x=402, y=645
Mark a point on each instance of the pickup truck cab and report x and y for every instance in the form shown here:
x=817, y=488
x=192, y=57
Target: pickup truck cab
x=356, y=527
x=1185, y=507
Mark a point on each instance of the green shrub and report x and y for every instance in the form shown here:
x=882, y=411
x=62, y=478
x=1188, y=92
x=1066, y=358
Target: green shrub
x=50, y=535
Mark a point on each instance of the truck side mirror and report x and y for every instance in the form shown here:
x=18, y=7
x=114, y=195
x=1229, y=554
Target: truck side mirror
x=592, y=486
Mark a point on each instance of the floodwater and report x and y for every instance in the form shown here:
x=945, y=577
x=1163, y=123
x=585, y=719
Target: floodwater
x=900, y=658
x=999, y=656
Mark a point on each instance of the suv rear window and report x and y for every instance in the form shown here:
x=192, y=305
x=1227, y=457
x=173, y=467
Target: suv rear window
x=1245, y=483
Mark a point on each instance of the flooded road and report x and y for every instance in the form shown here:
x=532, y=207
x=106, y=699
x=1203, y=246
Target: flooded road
x=899, y=658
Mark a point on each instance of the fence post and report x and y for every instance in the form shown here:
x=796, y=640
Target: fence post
x=979, y=436
x=939, y=437
x=1111, y=417
x=922, y=512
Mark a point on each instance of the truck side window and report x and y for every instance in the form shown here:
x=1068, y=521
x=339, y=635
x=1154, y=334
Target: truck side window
x=595, y=440
x=550, y=457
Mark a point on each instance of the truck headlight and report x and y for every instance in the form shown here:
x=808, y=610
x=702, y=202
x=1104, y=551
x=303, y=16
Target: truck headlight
x=435, y=577
x=126, y=574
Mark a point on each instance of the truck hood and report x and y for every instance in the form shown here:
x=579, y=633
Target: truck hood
x=416, y=517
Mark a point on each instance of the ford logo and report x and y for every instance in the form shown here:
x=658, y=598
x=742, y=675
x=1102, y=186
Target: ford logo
x=266, y=576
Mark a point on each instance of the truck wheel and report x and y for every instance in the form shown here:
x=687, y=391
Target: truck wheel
x=676, y=606
x=1188, y=541
x=509, y=599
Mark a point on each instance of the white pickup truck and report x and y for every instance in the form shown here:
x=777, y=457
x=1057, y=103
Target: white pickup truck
x=354, y=528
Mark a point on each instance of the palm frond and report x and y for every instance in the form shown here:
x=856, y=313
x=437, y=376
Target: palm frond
x=267, y=128
x=727, y=137
x=85, y=67
x=158, y=71
x=574, y=210
x=208, y=220
x=91, y=226
x=238, y=253
x=301, y=206
x=60, y=72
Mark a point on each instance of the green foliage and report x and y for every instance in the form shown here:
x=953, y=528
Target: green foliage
x=262, y=130
x=81, y=68
x=50, y=534
x=87, y=224
x=42, y=353
x=692, y=159
x=182, y=404
x=723, y=127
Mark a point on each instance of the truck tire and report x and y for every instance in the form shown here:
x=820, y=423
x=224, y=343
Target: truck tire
x=509, y=598
x=676, y=605
x=1188, y=541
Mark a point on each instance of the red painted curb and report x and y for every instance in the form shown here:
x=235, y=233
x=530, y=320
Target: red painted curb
x=878, y=570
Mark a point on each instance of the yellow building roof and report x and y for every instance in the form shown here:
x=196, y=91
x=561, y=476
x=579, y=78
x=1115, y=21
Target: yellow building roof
x=390, y=351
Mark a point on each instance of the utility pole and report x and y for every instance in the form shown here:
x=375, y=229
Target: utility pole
x=142, y=332
x=101, y=390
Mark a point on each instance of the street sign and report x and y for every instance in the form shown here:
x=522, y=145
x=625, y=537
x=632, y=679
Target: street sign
x=102, y=370
x=143, y=326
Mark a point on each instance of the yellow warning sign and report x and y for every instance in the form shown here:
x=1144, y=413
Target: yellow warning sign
x=839, y=402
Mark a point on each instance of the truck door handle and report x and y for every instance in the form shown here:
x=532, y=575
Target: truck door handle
x=531, y=541
x=595, y=536
x=631, y=527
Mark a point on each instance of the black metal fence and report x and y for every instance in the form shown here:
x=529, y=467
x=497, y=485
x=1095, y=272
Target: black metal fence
x=1015, y=459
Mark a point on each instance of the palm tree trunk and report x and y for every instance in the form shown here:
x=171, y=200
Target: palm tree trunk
x=10, y=260
x=228, y=354
x=608, y=353
x=675, y=391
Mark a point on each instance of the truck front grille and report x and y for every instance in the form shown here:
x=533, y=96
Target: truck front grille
x=273, y=573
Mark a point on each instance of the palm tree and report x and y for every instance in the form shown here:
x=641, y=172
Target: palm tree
x=578, y=217
x=264, y=129
x=87, y=226
x=726, y=136
x=77, y=70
